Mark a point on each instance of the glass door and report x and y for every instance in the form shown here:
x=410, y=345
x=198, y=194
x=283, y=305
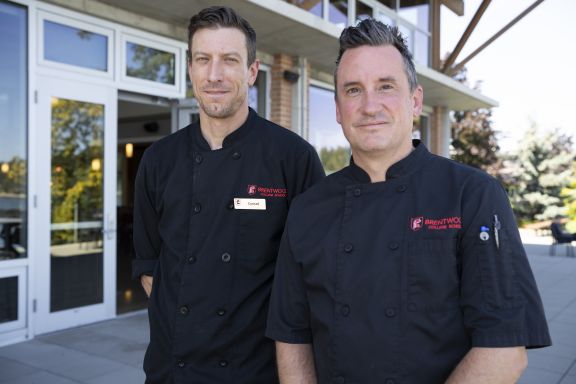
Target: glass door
x=76, y=136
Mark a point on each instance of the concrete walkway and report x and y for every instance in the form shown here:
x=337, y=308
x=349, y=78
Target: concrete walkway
x=111, y=352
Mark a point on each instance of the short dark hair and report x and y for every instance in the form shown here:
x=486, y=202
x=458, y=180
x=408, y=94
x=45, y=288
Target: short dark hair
x=222, y=17
x=375, y=33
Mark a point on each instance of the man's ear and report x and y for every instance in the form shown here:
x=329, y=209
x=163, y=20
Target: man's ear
x=253, y=72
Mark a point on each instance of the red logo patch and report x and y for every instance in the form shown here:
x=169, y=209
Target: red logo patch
x=254, y=190
x=416, y=223
x=453, y=222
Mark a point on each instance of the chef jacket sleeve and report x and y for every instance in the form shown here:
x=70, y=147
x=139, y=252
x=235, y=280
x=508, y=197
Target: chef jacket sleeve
x=146, y=237
x=499, y=297
x=308, y=171
x=289, y=314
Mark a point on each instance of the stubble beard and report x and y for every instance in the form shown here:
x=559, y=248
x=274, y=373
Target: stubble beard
x=222, y=110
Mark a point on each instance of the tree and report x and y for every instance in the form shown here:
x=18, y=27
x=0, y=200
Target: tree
x=334, y=159
x=474, y=140
x=77, y=155
x=543, y=167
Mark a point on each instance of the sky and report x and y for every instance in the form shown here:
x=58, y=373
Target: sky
x=530, y=70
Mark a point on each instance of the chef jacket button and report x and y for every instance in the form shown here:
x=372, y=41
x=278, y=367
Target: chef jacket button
x=236, y=155
x=401, y=188
x=181, y=364
x=198, y=158
x=197, y=207
x=390, y=312
x=191, y=259
x=184, y=310
x=393, y=245
x=339, y=380
x=348, y=248
x=345, y=310
x=223, y=363
x=390, y=381
x=357, y=192
x=412, y=307
x=221, y=312
x=226, y=257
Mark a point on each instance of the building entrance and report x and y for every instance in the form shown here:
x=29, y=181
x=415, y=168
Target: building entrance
x=141, y=121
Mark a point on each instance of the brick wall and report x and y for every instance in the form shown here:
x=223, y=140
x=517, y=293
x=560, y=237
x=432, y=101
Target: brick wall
x=281, y=91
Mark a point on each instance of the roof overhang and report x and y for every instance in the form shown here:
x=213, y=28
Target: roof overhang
x=443, y=91
x=282, y=28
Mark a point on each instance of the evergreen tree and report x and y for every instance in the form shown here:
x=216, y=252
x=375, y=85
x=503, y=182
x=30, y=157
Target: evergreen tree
x=474, y=140
x=543, y=167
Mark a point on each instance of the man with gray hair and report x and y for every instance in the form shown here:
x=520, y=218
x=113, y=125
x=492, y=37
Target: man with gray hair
x=404, y=267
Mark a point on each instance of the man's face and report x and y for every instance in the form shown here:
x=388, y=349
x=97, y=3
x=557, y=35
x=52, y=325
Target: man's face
x=374, y=104
x=219, y=71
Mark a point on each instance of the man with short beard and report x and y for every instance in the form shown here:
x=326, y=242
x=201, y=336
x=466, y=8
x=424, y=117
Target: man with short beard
x=210, y=205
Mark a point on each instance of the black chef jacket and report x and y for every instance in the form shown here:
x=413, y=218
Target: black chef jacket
x=395, y=281
x=213, y=264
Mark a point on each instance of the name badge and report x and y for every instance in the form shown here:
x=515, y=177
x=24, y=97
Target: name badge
x=242, y=203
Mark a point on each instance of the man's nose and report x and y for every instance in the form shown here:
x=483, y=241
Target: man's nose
x=215, y=71
x=371, y=103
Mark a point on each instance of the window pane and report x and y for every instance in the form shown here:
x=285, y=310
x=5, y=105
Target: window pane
x=76, y=253
x=13, y=132
x=416, y=11
x=407, y=33
x=338, y=12
x=312, y=6
x=381, y=16
x=389, y=3
x=150, y=64
x=8, y=299
x=324, y=132
x=257, y=94
x=69, y=45
x=421, y=44
x=363, y=11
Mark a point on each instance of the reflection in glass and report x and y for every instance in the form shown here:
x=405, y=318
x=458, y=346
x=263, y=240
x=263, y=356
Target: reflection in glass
x=76, y=204
x=257, y=94
x=363, y=11
x=407, y=33
x=324, y=132
x=13, y=131
x=69, y=45
x=150, y=64
x=421, y=44
x=416, y=12
x=338, y=12
x=8, y=299
x=389, y=3
x=312, y=6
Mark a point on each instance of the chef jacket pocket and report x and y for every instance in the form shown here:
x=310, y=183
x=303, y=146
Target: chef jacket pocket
x=260, y=231
x=497, y=272
x=433, y=274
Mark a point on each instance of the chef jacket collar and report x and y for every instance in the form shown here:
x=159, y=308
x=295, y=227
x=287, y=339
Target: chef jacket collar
x=407, y=165
x=199, y=143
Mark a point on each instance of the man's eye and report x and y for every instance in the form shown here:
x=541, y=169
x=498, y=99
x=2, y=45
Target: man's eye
x=201, y=59
x=353, y=91
x=385, y=87
x=231, y=60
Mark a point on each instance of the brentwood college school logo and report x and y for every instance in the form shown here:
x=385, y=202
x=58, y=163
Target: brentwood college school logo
x=255, y=190
x=452, y=222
